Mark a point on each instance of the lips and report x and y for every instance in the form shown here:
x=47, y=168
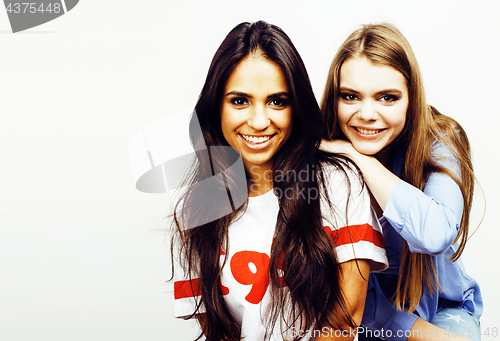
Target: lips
x=257, y=142
x=256, y=139
x=368, y=132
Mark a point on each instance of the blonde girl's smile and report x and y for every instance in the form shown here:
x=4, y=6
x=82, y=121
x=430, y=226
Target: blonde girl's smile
x=368, y=132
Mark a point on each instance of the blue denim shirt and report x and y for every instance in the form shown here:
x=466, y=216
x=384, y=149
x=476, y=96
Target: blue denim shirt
x=429, y=222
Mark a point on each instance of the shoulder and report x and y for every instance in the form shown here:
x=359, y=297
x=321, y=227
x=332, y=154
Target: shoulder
x=442, y=148
x=343, y=195
x=342, y=177
x=444, y=155
x=349, y=219
x=450, y=145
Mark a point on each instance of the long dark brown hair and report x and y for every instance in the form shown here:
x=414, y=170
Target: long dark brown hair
x=301, y=247
x=385, y=45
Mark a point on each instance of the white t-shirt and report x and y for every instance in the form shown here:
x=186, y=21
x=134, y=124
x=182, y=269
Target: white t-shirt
x=244, y=276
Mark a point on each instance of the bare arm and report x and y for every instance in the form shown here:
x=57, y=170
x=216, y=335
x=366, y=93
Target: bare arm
x=201, y=320
x=354, y=284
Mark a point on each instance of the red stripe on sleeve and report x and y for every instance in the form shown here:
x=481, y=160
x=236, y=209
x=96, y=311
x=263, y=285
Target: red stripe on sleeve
x=183, y=289
x=356, y=233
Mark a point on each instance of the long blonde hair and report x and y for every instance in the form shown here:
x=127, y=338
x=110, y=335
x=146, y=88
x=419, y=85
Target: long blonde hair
x=384, y=44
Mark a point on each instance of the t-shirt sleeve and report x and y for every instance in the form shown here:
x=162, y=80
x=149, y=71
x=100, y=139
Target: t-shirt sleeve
x=350, y=220
x=187, y=292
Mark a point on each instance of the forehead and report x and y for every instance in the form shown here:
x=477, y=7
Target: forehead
x=359, y=73
x=258, y=74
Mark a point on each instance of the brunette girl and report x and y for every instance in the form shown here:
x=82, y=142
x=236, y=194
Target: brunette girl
x=268, y=268
x=417, y=165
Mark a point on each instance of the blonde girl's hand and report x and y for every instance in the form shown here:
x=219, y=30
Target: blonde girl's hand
x=338, y=146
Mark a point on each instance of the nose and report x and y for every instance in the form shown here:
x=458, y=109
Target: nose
x=367, y=111
x=259, y=119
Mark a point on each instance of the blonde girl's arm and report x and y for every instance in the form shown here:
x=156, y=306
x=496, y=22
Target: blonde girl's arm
x=428, y=220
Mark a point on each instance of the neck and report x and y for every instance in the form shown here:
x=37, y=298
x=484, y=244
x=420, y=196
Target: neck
x=385, y=157
x=260, y=179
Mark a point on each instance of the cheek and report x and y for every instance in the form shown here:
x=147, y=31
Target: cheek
x=226, y=121
x=401, y=122
x=284, y=120
x=344, y=115
x=398, y=118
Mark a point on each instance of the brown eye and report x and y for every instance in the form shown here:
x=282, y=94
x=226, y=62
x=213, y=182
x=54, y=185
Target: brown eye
x=348, y=97
x=279, y=102
x=239, y=101
x=389, y=98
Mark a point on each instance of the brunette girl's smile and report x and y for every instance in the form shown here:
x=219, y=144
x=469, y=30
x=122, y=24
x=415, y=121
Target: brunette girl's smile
x=256, y=116
x=257, y=142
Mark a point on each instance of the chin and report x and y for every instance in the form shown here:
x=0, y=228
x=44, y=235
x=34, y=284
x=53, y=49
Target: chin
x=367, y=150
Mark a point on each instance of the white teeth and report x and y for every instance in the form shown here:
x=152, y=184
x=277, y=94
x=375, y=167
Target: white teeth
x=368, y=132
x=255, y=139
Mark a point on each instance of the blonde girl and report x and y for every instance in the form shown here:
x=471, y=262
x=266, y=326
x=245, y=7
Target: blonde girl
x=416, y=163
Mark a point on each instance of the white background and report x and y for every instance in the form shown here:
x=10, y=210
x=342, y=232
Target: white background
x=83, y=255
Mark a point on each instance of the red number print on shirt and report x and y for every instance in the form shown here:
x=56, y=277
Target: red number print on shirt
x=222, y=289
x=247, y=268
x=255, y=275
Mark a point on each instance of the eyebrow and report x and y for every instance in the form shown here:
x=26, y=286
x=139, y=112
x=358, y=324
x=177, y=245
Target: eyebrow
x=279, y=94
x=344, y=88
x=389, y=91
x=244, y=94
x=385, y=91
x=237, y=93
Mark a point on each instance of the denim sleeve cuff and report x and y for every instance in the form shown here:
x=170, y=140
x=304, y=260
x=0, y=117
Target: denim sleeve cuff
x=398, y=327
